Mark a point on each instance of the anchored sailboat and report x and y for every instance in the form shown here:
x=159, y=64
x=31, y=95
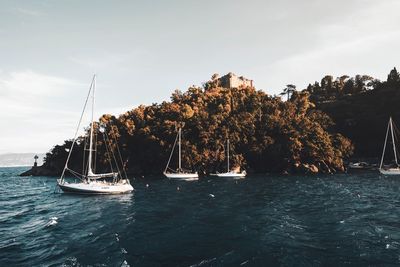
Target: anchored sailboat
x=390, y=170
x=91, y=182
x=179, y=173
x=230, y=173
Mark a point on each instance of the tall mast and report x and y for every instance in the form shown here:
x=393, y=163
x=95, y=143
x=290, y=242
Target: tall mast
x=384, y=146
x=394, y=144
x=227, y=144
x=76, y=132
x=90, y=171
x=179, y=145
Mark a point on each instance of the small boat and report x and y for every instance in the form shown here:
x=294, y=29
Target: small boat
x=391, y=169
x=91, y=182
x=180, y=173
x=359, y=165
x=230, y=173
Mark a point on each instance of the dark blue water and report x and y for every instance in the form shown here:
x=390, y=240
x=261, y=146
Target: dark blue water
x=289, y=221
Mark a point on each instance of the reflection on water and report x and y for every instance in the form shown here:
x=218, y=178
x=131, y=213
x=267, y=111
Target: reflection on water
x=294, y=221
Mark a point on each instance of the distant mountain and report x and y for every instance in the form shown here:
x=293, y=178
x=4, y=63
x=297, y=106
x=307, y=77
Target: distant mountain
x=20, y=159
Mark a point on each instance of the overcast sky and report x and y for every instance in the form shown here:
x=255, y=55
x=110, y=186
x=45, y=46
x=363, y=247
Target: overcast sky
x=143, y=50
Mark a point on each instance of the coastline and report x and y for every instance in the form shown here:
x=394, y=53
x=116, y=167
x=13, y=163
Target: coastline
x=38, y=171
x=42, y=171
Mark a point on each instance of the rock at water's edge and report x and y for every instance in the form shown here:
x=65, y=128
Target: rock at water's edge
x=37, y=171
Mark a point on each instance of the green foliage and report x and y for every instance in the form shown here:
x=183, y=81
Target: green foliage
x=288, y=91
x=330, y=90
x=393, y=77
x=363, y=114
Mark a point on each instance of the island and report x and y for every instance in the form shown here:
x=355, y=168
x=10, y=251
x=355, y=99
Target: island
x=314, y=130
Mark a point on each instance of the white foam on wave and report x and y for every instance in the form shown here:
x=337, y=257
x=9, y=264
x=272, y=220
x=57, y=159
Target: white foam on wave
x=203, y=262
x=71, y=261
x=52, y=221
x=244, y=263
x=125, y=264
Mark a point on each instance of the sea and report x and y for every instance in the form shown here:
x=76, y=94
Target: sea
x=263, y=220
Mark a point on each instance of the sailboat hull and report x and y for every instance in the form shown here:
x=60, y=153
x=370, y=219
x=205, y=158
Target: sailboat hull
x=182, y=176
x=390, y=171
x=97, y=188
x=382, y=169
x=231, y=175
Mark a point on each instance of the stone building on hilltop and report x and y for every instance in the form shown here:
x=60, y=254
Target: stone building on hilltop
x=231, y=80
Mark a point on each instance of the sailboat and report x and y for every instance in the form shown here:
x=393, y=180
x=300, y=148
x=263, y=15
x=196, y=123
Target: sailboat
x=230, y=173
x=179, y=173
x=390, y=170
x=91, y=182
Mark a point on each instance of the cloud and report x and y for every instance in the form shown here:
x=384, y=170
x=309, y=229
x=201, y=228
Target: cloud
x=357, y=56
x=29, y=12
x=39, y=110
x=34, y=106
x=364, y=41
x=105, y=60
x=32, y=84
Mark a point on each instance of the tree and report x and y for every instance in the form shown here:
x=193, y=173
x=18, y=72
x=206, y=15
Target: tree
x=289, y=89
x=393, y=76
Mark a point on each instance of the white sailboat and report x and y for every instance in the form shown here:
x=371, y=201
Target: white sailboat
x=384, y=169
x=230, y=173
x=91, y=182
x=179, y=173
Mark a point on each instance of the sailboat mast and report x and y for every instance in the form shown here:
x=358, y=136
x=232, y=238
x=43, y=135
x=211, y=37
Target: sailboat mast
x=76, y=132
x=90, y=171
x=384, y=146
x=227, y=144
x=179, y=145
x=393, y=141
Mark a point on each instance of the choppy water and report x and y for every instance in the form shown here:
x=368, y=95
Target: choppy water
x=290, y=221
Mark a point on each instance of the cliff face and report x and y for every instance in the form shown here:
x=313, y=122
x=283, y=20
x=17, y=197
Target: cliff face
x=266, y=134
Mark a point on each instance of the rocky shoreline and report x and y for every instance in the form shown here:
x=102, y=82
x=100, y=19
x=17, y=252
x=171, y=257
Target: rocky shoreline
x=39, y=171
x=298, y=168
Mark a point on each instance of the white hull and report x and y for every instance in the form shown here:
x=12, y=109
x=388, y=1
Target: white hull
x=96, y=187
x=358, y=166
x=382, y=168
x=231, y=174
x=390, y=171
x=182, y=176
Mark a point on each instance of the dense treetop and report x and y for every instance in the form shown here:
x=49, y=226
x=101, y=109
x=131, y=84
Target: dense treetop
x=360, y=107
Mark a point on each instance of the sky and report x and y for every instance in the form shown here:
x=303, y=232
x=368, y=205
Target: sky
x=142, y=51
